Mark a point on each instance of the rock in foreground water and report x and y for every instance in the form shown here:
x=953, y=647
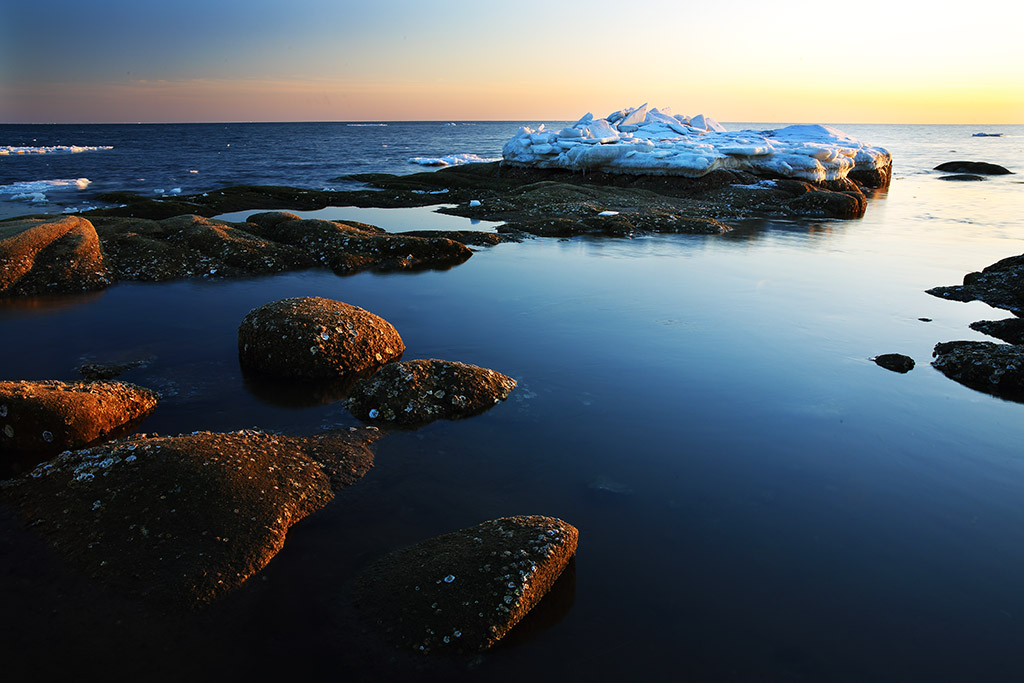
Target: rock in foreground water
x=464, y=591
x=183, y=520
x=315, y=338
x=996, y=369
x=51, y=416
x=1000, y=284
x=895, y=362
x=415, y=392
x=973, y=168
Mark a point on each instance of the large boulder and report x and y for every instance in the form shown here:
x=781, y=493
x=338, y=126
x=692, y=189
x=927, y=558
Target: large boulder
x=315, y=338
x=182, y=520
x=51, y=416
x=464, y=591
x=50, y=256
x=415, y=392
x=996, y=369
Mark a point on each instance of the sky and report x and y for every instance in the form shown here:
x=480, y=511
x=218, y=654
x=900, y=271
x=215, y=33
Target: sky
x=872, y=61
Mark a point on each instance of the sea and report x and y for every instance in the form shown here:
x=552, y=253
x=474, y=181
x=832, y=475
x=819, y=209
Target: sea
x=756, y=499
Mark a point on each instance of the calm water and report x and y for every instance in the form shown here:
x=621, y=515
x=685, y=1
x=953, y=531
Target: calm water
x=788, y=510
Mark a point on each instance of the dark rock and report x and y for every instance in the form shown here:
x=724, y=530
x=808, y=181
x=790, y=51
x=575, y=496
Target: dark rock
x=1000, y=284
x=464, y=591
x=50, y=256
x=996, y=369
x=51, y=416
x=962, y=177
x=95, y=371
x=315, y=338
x=183, y=520
x=972, y=167
x=1010, y=330
x=416, y=392
x=895, y=361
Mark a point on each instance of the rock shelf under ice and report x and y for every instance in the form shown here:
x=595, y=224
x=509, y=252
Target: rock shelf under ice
x=646, y=141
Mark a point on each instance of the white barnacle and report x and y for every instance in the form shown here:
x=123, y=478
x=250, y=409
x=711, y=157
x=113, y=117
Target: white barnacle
x=373, y=413
x=449, y=578
x=47, y=436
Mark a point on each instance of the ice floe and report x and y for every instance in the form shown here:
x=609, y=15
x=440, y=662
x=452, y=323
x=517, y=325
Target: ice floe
x=6, y=150
x=450, y=160
x=35, y=190
x=652, y=141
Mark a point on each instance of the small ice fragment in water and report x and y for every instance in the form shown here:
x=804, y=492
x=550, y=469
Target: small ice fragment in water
x=608, y=213
x=474, y=202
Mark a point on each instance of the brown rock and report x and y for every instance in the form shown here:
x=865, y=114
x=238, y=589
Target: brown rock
x=464, y=591
x=315, y=338
x=184, y=519
x=415, y=392
x=50, y=256
x=51, y=416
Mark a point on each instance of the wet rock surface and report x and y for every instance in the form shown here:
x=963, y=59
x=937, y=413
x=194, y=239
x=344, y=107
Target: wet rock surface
x=464, y=591
x=1000, y=284
x=996, y=369
x=183, y=520
x=895, y=362
x=51, y=416
x=50, y=256
x=972, y=168
x=315, y=338
x=416, y=392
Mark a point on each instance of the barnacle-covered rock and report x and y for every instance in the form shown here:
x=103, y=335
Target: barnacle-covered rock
x=182, y=520
x=315, y=338
x=464, y=591
x=1000, y=284
x=50, y=256
x=996, y=369
x=416, y=392
x=51, y=416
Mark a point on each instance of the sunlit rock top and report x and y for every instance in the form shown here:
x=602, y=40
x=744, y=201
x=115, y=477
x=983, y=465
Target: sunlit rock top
x=654, y=142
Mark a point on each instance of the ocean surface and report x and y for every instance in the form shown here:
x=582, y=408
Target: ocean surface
x=756, y=499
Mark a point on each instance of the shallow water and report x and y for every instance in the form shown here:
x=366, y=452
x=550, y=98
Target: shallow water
x=756, y=499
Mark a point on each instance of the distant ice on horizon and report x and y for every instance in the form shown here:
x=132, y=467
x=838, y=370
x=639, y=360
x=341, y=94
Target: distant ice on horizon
x=655, y=142
x=6, y=150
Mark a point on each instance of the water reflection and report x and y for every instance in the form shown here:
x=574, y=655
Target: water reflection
x=402, y=219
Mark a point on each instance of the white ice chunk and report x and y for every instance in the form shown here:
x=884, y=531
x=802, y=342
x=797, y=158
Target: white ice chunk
x=636, y=116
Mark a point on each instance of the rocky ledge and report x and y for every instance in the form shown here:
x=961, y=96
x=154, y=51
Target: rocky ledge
x=69, y=254
x=996, y=369
x=50, y=416
x=1000, y=284
x=464, y=591
x=182, y=520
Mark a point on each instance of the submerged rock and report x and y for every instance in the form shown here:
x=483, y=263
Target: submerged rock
x=962, y=177
x=50, y=256
x=184, y=519
x=464, y=591
x=315, y=338
x=996, y=369
x=51, y=416
x=973, y=168
x=896, y=362
x=1000, y=284
x=416, y=392
x=95, y=371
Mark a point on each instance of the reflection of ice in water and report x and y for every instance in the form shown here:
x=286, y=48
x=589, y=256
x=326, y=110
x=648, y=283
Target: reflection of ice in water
x=605, y=484
x=392, y=220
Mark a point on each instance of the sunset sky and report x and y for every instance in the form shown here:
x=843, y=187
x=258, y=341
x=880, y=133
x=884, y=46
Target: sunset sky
x=322, y=60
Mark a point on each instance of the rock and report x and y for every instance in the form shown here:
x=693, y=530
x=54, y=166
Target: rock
x=972, y=167
x=50, y=256
x=350, y=247
x=51, y=416
x=183, y=520
x=95, y=371
x=1000, y=284
x=416, y=392
x=996, y=369
x=895, y=361
x=1010, y=330
x=962, y=177
x=465, y=590
x=315, y=338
